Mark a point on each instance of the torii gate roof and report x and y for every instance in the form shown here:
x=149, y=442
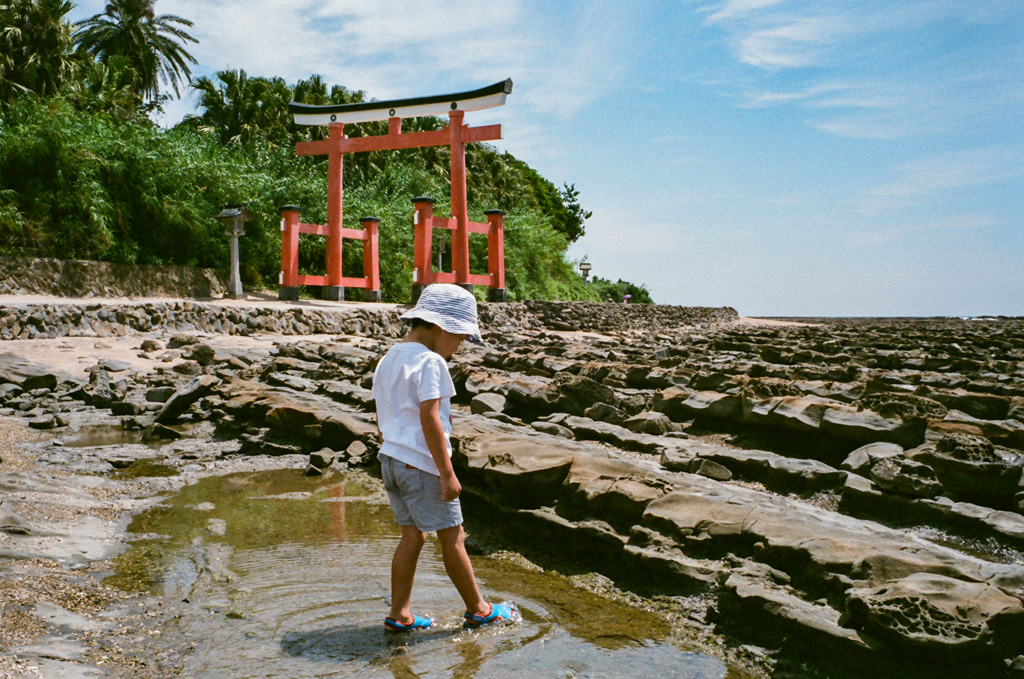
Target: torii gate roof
x=439, y=104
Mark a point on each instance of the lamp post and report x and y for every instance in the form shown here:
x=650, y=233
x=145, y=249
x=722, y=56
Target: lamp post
x=234, y=218
x=585, y=269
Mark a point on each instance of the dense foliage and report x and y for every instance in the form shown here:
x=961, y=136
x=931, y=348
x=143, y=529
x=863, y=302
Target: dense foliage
x=85, y=174
x=617, y=291
x=35, y=43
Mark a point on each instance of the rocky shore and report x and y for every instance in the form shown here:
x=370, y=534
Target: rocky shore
x=834, y=497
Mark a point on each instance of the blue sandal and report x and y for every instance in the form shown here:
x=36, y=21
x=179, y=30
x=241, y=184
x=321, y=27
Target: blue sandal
x=498, y=612
x=392, y=625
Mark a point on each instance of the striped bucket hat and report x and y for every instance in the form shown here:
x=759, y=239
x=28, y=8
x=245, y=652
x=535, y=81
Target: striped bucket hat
x=449, y=307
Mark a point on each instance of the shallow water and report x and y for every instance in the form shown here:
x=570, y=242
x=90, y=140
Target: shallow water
x=279, y=575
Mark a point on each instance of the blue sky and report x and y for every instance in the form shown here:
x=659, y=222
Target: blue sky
x=784, y=157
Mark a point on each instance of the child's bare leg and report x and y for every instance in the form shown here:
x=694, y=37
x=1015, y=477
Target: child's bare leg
x=403, y=571
x=460, y=570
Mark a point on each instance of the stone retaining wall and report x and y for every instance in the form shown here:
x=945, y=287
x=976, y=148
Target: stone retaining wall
x=104, y=320
x=597, y=317
x=79, y=278
x=29, y=321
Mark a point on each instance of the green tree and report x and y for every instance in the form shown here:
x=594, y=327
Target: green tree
x=35, y=43
x=574, y=215
x=240, y=109
x=616, y=292
x=112, y=88
x=153, y=45
x=567, y=216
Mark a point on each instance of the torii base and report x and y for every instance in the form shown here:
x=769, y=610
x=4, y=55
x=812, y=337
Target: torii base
x=288, y=294
x=497, y=295
x=333, y=293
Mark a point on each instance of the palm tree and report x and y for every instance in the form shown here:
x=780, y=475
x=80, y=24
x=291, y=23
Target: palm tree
x=240, y=109
x=153, y=45
x=111, y=87
x=35, y=43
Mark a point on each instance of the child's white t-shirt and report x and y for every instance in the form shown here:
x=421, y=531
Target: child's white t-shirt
x=409, y=374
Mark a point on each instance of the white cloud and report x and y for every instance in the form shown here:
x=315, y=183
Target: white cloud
x=869, y=70
x=732, y=9
x=797, y=43
x=838, y=94
x=938, y=175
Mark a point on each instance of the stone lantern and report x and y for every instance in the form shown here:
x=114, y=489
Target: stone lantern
x=234, y=218
x=585, y=269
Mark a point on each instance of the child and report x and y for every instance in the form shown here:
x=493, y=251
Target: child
x=413, y=389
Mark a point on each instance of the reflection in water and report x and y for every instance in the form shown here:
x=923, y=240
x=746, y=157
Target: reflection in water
x=280, y=575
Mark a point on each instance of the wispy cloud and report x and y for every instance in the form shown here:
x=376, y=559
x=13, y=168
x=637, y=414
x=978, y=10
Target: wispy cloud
x=861, y=66
x=800, y=42
x=732, y=9
x=934, y=178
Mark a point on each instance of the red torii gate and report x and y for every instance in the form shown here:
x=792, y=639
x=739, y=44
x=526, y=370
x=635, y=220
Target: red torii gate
x=456, y=135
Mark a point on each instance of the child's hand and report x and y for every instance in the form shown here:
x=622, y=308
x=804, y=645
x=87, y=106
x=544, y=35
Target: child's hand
x=450, y=487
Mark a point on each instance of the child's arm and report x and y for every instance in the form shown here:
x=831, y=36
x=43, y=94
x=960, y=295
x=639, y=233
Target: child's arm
x=430, y=420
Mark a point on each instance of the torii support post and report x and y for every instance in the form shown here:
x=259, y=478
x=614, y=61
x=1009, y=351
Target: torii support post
x=460, y=237
x=371, y=259
x=423, y=243
x=335, y=289
x=496, y=255
x=288, y=289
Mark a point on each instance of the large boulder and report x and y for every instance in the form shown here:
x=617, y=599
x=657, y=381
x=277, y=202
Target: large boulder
x=26, y=374
x=650, y=423
x=708, y=404
x=971, y=465
x=183, y=398
x=574, y=394
x=864, y=458
x=905, y=477
x=934, y=615
x=487, y=403
x=799, y=413
x=865, y=426
x=983, y=406
x=522, y=471
x=612, y=490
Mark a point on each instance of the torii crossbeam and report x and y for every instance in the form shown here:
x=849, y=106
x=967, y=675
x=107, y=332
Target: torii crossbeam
x=456, y=135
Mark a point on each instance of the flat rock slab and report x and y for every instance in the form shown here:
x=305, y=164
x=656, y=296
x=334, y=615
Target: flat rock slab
x=66, y=621
x=78, y=541
x=620, y=437
x=29, y=375
x=775, y=471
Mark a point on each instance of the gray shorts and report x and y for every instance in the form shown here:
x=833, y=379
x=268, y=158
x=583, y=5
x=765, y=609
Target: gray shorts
x=416, y=497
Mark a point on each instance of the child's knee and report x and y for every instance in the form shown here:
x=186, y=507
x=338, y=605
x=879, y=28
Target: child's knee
x=451, y=536
x=414, y=535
